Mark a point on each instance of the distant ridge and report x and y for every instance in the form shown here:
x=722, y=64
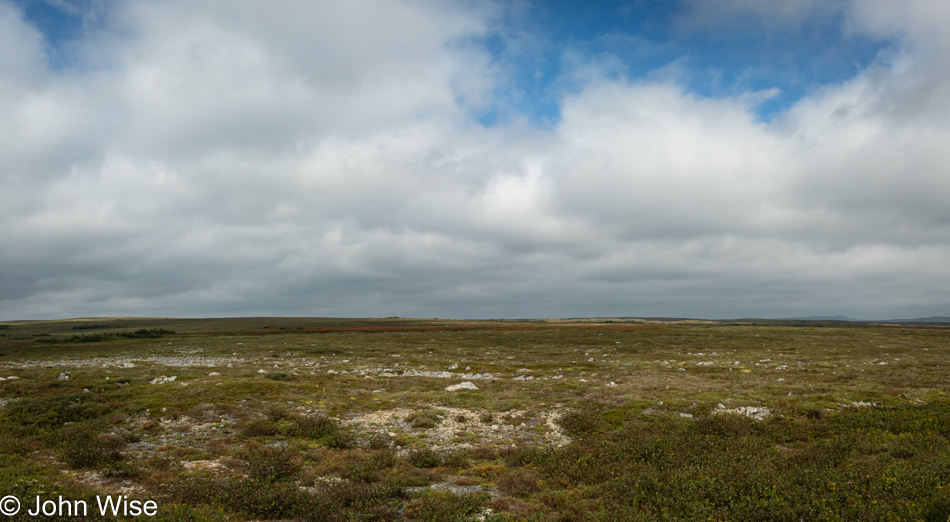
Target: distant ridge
x=934, y=319
x=822, y=318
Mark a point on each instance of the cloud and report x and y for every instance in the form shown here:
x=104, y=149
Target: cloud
x=219, y=158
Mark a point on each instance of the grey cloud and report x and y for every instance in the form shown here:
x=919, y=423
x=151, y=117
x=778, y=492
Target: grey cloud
x=219, y=159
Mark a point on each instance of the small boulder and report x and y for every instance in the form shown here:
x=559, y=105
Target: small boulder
x=462, y=386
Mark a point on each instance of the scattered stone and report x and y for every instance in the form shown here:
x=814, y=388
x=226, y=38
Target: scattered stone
x=462, y=386
x=752, y=412
x=454, y=366
x=781, y=367
x=518, y=378
x=160, y=380
x=86, y=390
x=686, y=415
x=62, y=377
x=611, y=384
x=12, y=377
x=262, y=371
x=704, y=363
x=212, y=374
x=859, y=404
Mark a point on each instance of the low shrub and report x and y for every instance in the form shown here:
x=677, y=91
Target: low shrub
x=521, y=482
x=80, y=448
x=428, y=458
x=264, y=463
x=426, y=419
x=438, y=506
x=581, y=423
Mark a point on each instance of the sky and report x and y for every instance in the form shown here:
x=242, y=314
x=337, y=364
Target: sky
x=474, y=159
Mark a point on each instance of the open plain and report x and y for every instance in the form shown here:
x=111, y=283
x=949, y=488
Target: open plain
x=396, y=419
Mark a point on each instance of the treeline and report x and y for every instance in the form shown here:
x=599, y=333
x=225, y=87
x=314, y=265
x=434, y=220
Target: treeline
x=141, y=333
x=92, y=327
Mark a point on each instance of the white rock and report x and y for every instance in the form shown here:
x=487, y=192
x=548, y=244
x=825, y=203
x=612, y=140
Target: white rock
x=611, y=383
x=518, y=378
x=686, y=415
x=462, y=386
x=454, y=366
x=62, y=377
x=262, y=371
x=212, y=374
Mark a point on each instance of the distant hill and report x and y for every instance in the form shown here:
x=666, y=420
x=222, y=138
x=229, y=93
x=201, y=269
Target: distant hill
x=822, y=318
x=934, y=319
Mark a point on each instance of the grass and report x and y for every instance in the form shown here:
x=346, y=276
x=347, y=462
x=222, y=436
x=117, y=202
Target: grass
x=350, y=419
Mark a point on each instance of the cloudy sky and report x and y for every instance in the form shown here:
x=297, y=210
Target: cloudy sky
x=474, y=159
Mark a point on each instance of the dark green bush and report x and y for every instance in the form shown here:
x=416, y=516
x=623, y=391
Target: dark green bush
x=39, y=415
x=425, y=458
x=264, y=463
x=346, y=501
x=428, y=458
x=259, y=427
x=79, y=447
x=425, y=419
x=439, y=506
x=521, y=482
x=581, y=423
x=141, y=333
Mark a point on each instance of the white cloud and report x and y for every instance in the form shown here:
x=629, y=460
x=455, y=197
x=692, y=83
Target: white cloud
x=235, y=158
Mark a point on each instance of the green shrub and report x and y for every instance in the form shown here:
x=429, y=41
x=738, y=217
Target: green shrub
x=581, y=423
x=425, y=458
x=379, y=441
x=259, y=427
x=264, y=463
x=439, y=506
x=521, y=482
x=425, y=419
x=141, y=333
x=79, y=447
x=40, y=415
x=428, y=458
